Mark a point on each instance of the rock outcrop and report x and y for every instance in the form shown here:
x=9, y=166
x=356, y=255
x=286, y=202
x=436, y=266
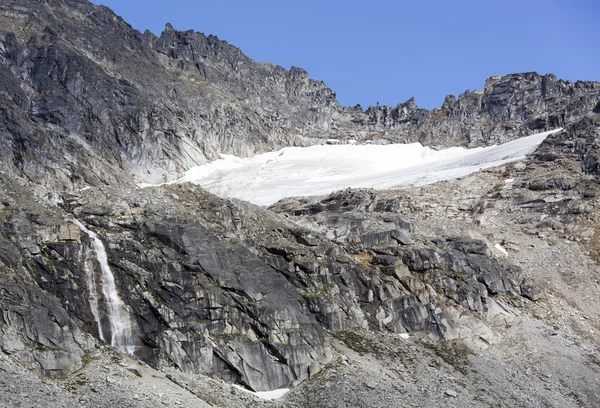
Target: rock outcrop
x=579, y=140
x=510, y=107
x=233, y=290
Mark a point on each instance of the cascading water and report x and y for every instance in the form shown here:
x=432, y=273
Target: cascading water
x=118, y=317
x=88, y=266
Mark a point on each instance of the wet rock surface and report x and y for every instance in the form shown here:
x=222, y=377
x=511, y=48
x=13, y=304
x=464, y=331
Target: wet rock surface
x=233, y=290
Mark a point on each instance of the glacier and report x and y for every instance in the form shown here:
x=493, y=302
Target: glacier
x=317, y=170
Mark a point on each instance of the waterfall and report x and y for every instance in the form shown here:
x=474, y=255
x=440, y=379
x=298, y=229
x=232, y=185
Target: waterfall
x=118, y=316
x=88, y=266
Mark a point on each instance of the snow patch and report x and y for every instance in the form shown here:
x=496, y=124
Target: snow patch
x=266, y=395
x=501, y=249
x=319, y=170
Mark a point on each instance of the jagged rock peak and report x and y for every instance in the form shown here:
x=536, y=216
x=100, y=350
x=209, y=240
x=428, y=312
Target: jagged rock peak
x=510, y=106
x=144, y=108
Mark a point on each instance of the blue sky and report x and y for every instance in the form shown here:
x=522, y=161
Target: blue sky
x=388, y=51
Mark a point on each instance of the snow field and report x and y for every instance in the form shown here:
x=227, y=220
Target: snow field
x=318, y=170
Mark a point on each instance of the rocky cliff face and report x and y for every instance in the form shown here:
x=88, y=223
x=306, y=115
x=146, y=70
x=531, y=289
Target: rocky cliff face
x=95, y=102
x=233, y=290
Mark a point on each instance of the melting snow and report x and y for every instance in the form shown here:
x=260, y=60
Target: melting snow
x=266, y=395
x=318, y=170
x=501, y=249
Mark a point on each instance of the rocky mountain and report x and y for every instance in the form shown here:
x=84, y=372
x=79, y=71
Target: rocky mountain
x=83, y=91
x=509, y=107
x=467, y=292
x=95, y=102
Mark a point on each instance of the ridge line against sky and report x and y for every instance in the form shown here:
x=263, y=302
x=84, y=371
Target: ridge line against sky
x=389, y=51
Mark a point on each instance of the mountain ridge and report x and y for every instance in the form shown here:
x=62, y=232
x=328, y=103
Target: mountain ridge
x=183, y=98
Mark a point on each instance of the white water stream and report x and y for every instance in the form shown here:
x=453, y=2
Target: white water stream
x=118, y=316
x=88, y=266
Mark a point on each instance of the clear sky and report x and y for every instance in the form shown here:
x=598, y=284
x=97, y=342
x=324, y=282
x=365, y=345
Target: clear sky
x=387, y=51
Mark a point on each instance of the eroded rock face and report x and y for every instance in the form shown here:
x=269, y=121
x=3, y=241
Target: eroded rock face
x=95, y=102
x=410, y=277
x=38, y=325
x=232, y=290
